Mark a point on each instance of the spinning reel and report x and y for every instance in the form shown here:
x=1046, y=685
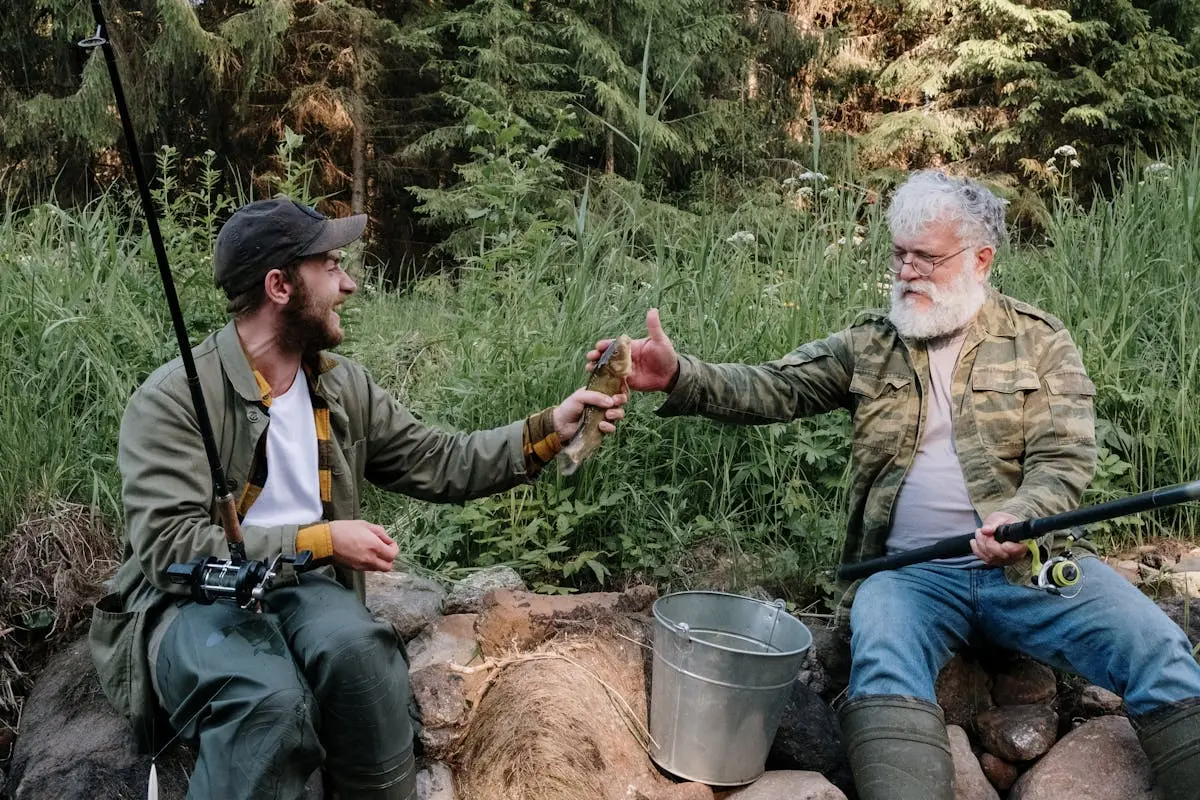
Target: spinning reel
x=1059, y=574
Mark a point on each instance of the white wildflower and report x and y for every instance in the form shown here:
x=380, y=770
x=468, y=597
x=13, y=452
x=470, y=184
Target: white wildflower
x=830, y=192
x=1158, y=169
x=810, y=176
x=1074, y=162
x=1066, y=151
x=804, y=191
x=1050, y=161
x=741, y=237
x=788, y=183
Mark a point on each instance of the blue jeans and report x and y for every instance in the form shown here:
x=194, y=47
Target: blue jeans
x=907, y=623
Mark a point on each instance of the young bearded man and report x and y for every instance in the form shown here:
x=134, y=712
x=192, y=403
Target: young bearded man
x=313, y=681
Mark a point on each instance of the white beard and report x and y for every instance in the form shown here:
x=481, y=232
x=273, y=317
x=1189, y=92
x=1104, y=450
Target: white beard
x=951, y=307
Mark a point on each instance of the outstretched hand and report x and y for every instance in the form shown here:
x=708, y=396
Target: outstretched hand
x=568, y=414
x=654, y=360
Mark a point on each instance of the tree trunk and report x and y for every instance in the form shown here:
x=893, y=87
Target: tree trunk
x=358, y=142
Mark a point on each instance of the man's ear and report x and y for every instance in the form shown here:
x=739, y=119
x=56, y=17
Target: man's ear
x=983, y=262
x=278, y=288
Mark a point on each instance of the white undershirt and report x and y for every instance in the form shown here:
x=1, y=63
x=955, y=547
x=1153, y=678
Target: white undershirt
x=292, y=495
x=933, y=503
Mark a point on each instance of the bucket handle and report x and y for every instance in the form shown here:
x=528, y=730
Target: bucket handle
x=779, y=605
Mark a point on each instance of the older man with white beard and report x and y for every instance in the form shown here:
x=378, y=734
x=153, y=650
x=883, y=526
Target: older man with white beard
x=971, y=409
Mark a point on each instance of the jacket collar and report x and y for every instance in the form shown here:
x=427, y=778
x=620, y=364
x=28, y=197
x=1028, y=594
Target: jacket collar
x=246, y=380
x=996, y=317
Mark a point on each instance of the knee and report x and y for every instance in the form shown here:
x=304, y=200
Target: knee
x=366, y=656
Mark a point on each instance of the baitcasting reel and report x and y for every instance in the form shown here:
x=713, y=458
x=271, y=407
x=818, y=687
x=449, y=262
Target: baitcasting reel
x=1058, y=575
x=244, y=582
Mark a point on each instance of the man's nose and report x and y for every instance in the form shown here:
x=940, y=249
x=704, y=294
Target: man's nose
x=908, y=270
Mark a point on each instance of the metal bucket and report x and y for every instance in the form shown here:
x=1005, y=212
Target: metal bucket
x=723, y=669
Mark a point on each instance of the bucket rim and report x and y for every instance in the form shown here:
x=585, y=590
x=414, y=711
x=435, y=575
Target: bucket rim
x=669, y=624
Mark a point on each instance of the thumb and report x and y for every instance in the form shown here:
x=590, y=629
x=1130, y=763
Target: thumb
x=654, y=327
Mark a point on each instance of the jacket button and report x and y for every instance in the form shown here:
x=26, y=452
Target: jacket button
x=253, y=415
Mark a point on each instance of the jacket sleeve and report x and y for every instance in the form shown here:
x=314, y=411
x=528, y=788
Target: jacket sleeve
x=166, y=485
x=405, y=455
x=1060, y=437
x=812, y=379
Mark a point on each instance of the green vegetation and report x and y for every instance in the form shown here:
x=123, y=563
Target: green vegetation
x=678, y=502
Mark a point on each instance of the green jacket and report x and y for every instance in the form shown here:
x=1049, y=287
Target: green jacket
x=168, y=495
x=1023, y=423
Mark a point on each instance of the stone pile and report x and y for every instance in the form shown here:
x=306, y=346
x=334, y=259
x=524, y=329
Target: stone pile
x=1018, y=730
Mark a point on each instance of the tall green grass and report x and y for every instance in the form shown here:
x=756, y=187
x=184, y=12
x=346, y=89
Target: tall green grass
x=680, y=502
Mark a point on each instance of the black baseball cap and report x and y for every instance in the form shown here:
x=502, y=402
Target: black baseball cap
x=269, y=234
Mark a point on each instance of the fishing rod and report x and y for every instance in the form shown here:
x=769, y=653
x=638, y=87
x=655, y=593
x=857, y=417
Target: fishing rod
x=1030, y=529
x=224, y=495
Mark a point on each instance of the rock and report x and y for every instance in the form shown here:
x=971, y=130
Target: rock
x=1023, y=682
x=1100, y=760
x=435, y=782
x=963, y=690
x=1185, y=583
x=1189, y=563
x=787, y=785
x=1180, y=609
x=999, y=772
x=466, y=596
x=683, y=791
x=448, y=640
x=445, y=698
x=969, y=781
x=1128, y=570
x=830, y=653
x=1095, y=701
x=408, y=602
x=73, y=744
x=1017, y=733
x=809, y=738
x=519, y=621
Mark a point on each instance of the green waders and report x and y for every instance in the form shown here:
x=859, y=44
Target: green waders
x=1171, y=738
x=312, y=682
x=898, y=748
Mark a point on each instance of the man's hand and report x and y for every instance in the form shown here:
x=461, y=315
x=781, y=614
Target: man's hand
x=993, y=553
x=569, y=412
x=654, y=359
x=362, y=545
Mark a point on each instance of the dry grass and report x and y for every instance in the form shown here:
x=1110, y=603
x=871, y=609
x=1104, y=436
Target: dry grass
x=564, y=723
x=52, y=569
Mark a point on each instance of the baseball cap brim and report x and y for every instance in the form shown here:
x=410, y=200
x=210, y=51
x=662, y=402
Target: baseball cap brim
x=335, y=234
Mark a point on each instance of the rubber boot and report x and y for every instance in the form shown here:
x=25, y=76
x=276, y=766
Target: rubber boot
x=1171, y=738
x=399, y=783
x=898, y=748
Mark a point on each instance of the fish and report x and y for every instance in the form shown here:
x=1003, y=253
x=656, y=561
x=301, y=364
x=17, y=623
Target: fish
x=608, y=376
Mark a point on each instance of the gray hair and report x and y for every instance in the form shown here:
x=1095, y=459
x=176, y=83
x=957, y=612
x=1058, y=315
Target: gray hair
x=929, y=195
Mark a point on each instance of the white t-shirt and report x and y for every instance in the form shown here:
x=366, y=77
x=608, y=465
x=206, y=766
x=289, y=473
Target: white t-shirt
x=292, y=495
x=933, y=503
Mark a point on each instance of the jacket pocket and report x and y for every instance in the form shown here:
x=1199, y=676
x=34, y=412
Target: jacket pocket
x=120, y=664
x=1071, y=394
x=998, y=398
x=880, y=410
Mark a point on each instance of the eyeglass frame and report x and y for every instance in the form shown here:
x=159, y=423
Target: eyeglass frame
x=898, y=261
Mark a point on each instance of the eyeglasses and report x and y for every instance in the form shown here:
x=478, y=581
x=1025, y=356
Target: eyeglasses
x=922, y=263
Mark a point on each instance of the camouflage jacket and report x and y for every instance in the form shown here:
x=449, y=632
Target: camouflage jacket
x=1023, y=424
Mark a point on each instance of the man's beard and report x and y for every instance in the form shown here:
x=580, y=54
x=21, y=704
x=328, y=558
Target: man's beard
x=951, y=308
x=305, y=328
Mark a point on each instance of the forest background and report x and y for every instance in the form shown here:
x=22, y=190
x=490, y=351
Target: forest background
x=539, y=173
